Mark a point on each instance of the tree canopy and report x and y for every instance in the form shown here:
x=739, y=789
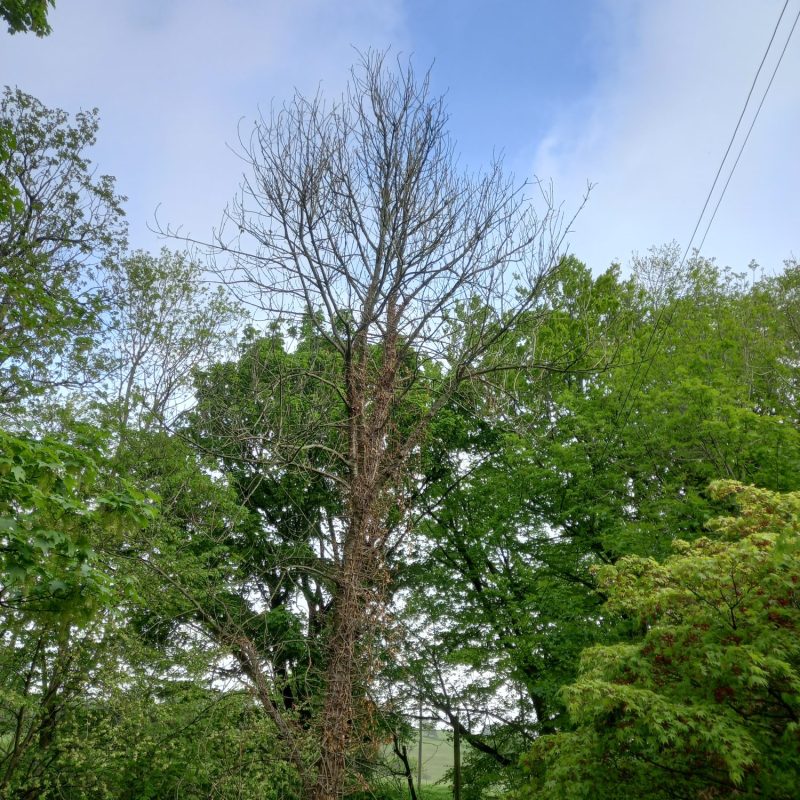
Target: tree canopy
x=23, y=16
x=705, y=703
x=383, y=450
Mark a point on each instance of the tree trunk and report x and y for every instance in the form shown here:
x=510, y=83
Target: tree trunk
x=337, y=714
x=356, y=593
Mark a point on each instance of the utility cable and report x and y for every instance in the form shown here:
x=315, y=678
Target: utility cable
x=750, y=130
x=736, y=129
x=655, y=330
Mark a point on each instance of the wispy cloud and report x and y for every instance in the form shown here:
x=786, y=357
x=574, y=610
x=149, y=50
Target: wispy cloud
x=642, y=96
x=651, y=135
x=172, y=79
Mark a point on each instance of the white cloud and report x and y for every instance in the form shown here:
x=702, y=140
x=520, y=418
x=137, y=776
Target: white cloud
x=674, y=76
x=173, y=78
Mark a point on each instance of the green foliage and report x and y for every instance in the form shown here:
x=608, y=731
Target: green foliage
x=706, y=703
x=250, y=414
x=107, y=694
x=26, y=15
x=117, y=718
x=9, y=195
x=609, y=456
x=57, y=236
x=147, y=741
x=63, y=514
x=56, y=507
x=164, y=324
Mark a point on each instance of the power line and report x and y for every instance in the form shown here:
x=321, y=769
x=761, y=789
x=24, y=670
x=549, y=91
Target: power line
x=750, y=129
x=736, y=129
x=655, y=329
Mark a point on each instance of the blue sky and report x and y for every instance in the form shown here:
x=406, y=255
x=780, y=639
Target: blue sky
x=637, y=96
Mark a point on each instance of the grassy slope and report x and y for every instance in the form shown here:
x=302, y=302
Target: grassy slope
x=437, y=754
x=437, y=758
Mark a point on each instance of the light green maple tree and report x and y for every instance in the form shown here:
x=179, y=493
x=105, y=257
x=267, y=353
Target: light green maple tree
x=706, y=703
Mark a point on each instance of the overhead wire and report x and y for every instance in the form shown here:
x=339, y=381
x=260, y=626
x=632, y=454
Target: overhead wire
x=655, y=329
x=750, y=129
x=736, y=129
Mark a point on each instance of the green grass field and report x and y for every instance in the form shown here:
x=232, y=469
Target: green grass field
x=437, y=758
x=437, y=755
x=436, y=793
x=397, y=793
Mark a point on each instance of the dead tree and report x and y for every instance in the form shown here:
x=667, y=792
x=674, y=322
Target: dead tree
x=356, y=218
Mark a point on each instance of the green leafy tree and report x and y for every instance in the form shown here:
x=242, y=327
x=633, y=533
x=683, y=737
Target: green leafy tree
x=705, y=704
x=105, y=678
x=165, y=323
x=26, y=15
x=62, y=512
x=20, y=15
x=611, y=455
x=203, y=589
x=499, y=607
x=60, y=234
